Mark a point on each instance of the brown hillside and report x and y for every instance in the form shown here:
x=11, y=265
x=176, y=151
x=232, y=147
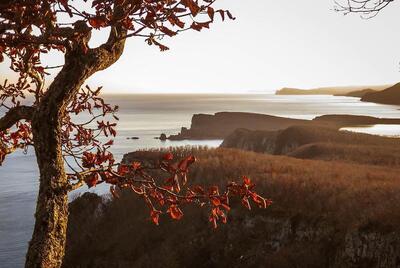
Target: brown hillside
x=325, y=214
x=357, y=93
x=390, y=95
x=319, y=143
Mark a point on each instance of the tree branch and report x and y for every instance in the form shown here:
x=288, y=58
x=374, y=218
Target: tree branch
x=15, y=114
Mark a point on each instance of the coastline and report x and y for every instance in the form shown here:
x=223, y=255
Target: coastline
x=222, y=124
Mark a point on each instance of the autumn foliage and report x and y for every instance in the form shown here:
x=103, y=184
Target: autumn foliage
x=166, y=194
x=87, y=123
x=71, y=127
x=28, y=30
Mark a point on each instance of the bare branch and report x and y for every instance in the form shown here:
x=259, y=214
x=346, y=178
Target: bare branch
x=15, y=114
x=367, y=8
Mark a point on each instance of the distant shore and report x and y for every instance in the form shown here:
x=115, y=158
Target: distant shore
x=376, y=94
x=220, y=125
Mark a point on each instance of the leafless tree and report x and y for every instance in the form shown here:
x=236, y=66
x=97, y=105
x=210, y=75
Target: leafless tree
x=367, y=8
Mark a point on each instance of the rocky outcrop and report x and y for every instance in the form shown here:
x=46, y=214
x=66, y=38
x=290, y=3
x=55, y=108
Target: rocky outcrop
x=369, y=249
x=220, y=125
x=274, y=241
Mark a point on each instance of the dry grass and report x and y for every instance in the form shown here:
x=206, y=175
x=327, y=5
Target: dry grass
x=308, y=142
x=361, y=154
x=342, y=196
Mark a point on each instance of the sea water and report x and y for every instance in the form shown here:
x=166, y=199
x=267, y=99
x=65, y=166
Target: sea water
x=146, y=117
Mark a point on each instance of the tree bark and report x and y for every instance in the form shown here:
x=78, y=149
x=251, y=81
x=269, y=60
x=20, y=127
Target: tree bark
x=47, y=246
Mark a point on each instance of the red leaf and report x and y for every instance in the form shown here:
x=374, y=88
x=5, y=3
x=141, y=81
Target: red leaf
x=230, y=16
x=175, y=21
x=166, y=31
x=222, y=13
x=92, y=179
x=246, y=180
x=193, y=7
x=123, y=170
x=175, y=212
x=110, y=142
x=213, y=220
x=210, y=12
x=136, y=165
x=155, y=215
x=168, y=156
x=185, y=163
x=98, y=22
x=216, y=201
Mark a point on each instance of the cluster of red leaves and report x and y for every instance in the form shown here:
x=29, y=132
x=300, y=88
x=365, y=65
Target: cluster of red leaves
x=81, y=140
x=20, y=137
x=159, y=18
x=83, y=126
x=167, y=194
x=29, y=29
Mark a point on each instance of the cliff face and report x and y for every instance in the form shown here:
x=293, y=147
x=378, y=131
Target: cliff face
x=390, y=95
x=218, y=126
x=249, y=241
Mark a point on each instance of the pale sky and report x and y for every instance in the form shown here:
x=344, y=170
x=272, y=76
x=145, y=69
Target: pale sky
x=271, y=44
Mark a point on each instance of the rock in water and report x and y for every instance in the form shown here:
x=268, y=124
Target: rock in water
x=163, y=137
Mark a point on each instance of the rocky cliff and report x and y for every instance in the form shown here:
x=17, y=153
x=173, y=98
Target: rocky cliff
x=220, y=125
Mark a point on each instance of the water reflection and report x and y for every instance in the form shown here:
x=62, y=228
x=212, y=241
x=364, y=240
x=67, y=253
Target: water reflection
x=380, y=129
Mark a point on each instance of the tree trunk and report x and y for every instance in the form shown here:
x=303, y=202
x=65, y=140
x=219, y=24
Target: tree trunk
x=46, y=249
x=47, y=246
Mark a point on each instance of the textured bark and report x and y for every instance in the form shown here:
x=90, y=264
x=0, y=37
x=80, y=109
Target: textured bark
x=14, y=115
x=47, y=246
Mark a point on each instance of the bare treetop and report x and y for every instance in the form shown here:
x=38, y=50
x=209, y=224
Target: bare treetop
x=367, y=8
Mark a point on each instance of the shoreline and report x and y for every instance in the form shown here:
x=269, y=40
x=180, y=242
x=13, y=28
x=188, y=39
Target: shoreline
x=220, y=125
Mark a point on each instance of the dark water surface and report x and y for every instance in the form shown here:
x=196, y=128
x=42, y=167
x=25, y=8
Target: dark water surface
x=146, y=116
